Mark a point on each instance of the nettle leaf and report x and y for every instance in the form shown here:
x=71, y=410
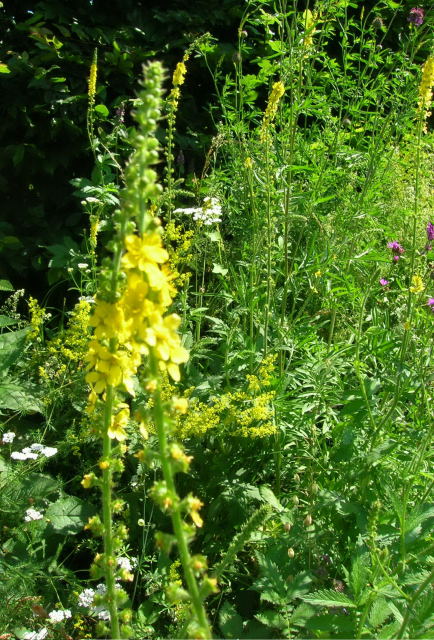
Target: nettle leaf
x=271, y=585
x=39, y=485
x=272, y=618
x=230, y=622
x=69, y=515
x=379, y=612
x=329, y=598
x=17, y=397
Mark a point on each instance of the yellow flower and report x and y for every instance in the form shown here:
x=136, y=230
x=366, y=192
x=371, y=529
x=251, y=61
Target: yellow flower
x=118, y=424
x=109, y=321
x=417, y=284
x=146, y=254
x=248, y=163
x=92, y=77
x=179, y=74
x=180, y=405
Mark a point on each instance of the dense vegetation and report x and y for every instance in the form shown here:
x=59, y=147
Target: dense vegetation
x=216, y=396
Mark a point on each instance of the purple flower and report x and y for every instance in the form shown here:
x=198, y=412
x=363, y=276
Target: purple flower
x=396, y=258
x=416, y=16
x=395, y=246
x=430, y=303
x=430, y=231
x=384, y=282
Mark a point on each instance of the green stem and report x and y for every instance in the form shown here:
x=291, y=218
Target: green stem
x=177, y=521
x=107, y=481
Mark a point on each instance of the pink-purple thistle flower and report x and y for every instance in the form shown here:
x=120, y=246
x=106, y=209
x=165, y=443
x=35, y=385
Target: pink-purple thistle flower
x=430, y=303
x=397, y=249
x=416, y=16
x=430, y=231
x=384, y=282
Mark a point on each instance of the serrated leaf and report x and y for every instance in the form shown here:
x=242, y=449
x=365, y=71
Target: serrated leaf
x=69, y=515
x=272, y=618
x=379, y=612
x=230, y=622
x=359, y=574
x=389, y=631
x=328, y=621
x=16, y=397
x=268, y=496
x=329, y=598
x=39, y=485
x=5, y=285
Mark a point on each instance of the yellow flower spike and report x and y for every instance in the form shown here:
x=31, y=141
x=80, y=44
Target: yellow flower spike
x=417, y=284
x=179, y=74
x=248, y=163
x=91, y=91
x=104, y=464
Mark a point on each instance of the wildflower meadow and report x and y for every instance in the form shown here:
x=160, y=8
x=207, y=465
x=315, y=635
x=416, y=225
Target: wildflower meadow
x=216, y=322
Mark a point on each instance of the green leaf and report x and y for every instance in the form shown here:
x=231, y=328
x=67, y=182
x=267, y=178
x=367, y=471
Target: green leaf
x=272, y=618
x=39, y=485
x=379, y=612
x=4, y=68
x=268, y=496
x=231, y=623
x=69, y=515
x=17, y=397
x=329, y=598
x=6, y=321
x=102, y=110
x=5, y=285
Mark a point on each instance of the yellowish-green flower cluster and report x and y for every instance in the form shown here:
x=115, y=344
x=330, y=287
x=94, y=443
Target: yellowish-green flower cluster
x=417, y=285
x=270, y=112
x=178, y=243
x=425, y=88
x=309, y=20
x=69, y=348
x=38, y=315
x=245, y=413
x=91, y=90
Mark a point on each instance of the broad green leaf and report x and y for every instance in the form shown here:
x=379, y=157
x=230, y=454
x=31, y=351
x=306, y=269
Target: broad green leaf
x=39, y=485
x=329, y=598
x=17, y=397
x=268, y=496
x=6, y=321
x=68, y=515
x=5, y=285
x=272, y=618
x=230, y=622
x=102, y=110
x=379, y=612
x=4, y=68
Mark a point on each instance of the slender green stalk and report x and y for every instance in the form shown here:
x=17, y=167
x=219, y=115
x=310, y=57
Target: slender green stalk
x=106, y=488
x=176, y=518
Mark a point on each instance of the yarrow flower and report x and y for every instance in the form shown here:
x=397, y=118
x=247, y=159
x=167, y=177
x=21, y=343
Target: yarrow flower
x=210, y=213
x=85, y=598
x=36, y=635
x=33, y=452
x=416, y=16
x=8, y=437
x=33, y=514
x=58, y=615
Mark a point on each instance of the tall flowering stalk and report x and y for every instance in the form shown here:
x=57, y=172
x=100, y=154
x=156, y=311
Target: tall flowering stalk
x=275, y=96
x=135, y=338
x=91, y=92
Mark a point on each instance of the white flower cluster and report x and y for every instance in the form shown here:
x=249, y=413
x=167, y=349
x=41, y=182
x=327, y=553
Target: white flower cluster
x=33, y=452
x=35, y=635
x=59, y=615
x=32, y=514
x=209, y=214
x=86, y=598
x=127, y=563
x=8, y=437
